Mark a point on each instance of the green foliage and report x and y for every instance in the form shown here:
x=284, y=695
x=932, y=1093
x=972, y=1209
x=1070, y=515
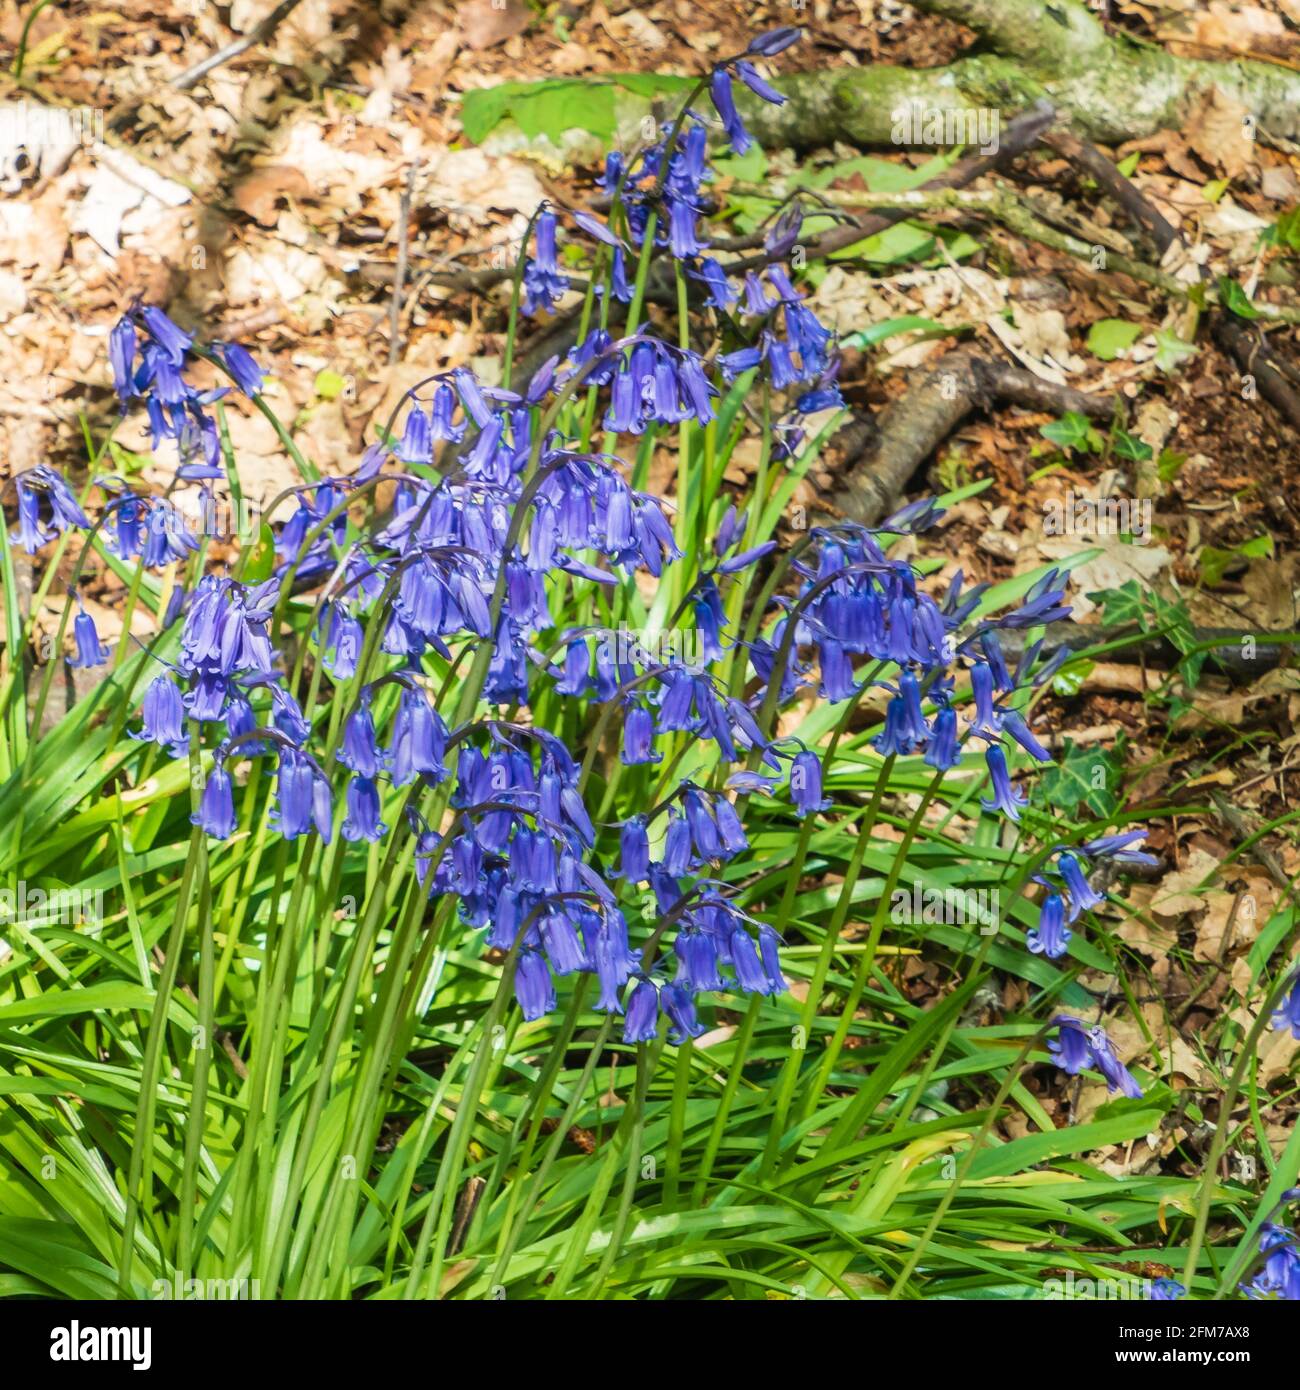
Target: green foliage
x=551, y=107
x=1073, y=433
x=1107, y=338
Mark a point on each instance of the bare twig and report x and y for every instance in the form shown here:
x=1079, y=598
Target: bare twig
x=399, y=273
x=259, y=33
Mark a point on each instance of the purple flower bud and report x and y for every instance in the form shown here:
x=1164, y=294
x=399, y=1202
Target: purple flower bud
x=775, y=41
x=749, y=75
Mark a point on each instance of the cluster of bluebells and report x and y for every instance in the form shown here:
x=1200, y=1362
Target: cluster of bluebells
x=496, y=502
x=659, y=193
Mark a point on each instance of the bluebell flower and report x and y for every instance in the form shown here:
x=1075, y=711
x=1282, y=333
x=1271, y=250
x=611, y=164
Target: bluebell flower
x=769, y=947
x=774, y=41
x=806, y=784
x=1280, y=1276
x=721, y=293
x=295, y=795
x=363, y=822
x=121, y=357
x=750, y=974
x=164, y=714
x=1117, y=847
x=173, y=342
x=724, y=103
x=680, y=1008
x=216, y=813
x=360, y=749
x=239, y=362
x=166, y=537
x=1014, y=724
x=543, y=282
x=1042, y=605
x=1051, y=937
x=416, y=443
x=419, y=740
x=1077, y=1046
x=533, y=987
x=1118, y=1077
x=697, y=957
x=634, y=850
x=46, y=508
x=1166, y=1290
x=638, y=737
x=1006, y=798
x=749, y=75
x=943, y=751
x=595, y=228
x=987, y=722
x=1071, y=1047
x=90, y=651
x=564, y=949
x=1082, y=896
x=641, y=1023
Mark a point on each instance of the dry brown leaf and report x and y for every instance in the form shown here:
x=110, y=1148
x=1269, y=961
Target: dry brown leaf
x=1177, y=893
x=260, y=193
x=1218, y=131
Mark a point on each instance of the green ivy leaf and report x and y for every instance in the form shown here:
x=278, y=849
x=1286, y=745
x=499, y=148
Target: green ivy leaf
x=1072, y=431
x=1129, y=447
x=1088, y=777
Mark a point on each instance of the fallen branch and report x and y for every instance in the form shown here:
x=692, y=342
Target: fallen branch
x=1112, y=88
x=1228, y=653
x=909, y=430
